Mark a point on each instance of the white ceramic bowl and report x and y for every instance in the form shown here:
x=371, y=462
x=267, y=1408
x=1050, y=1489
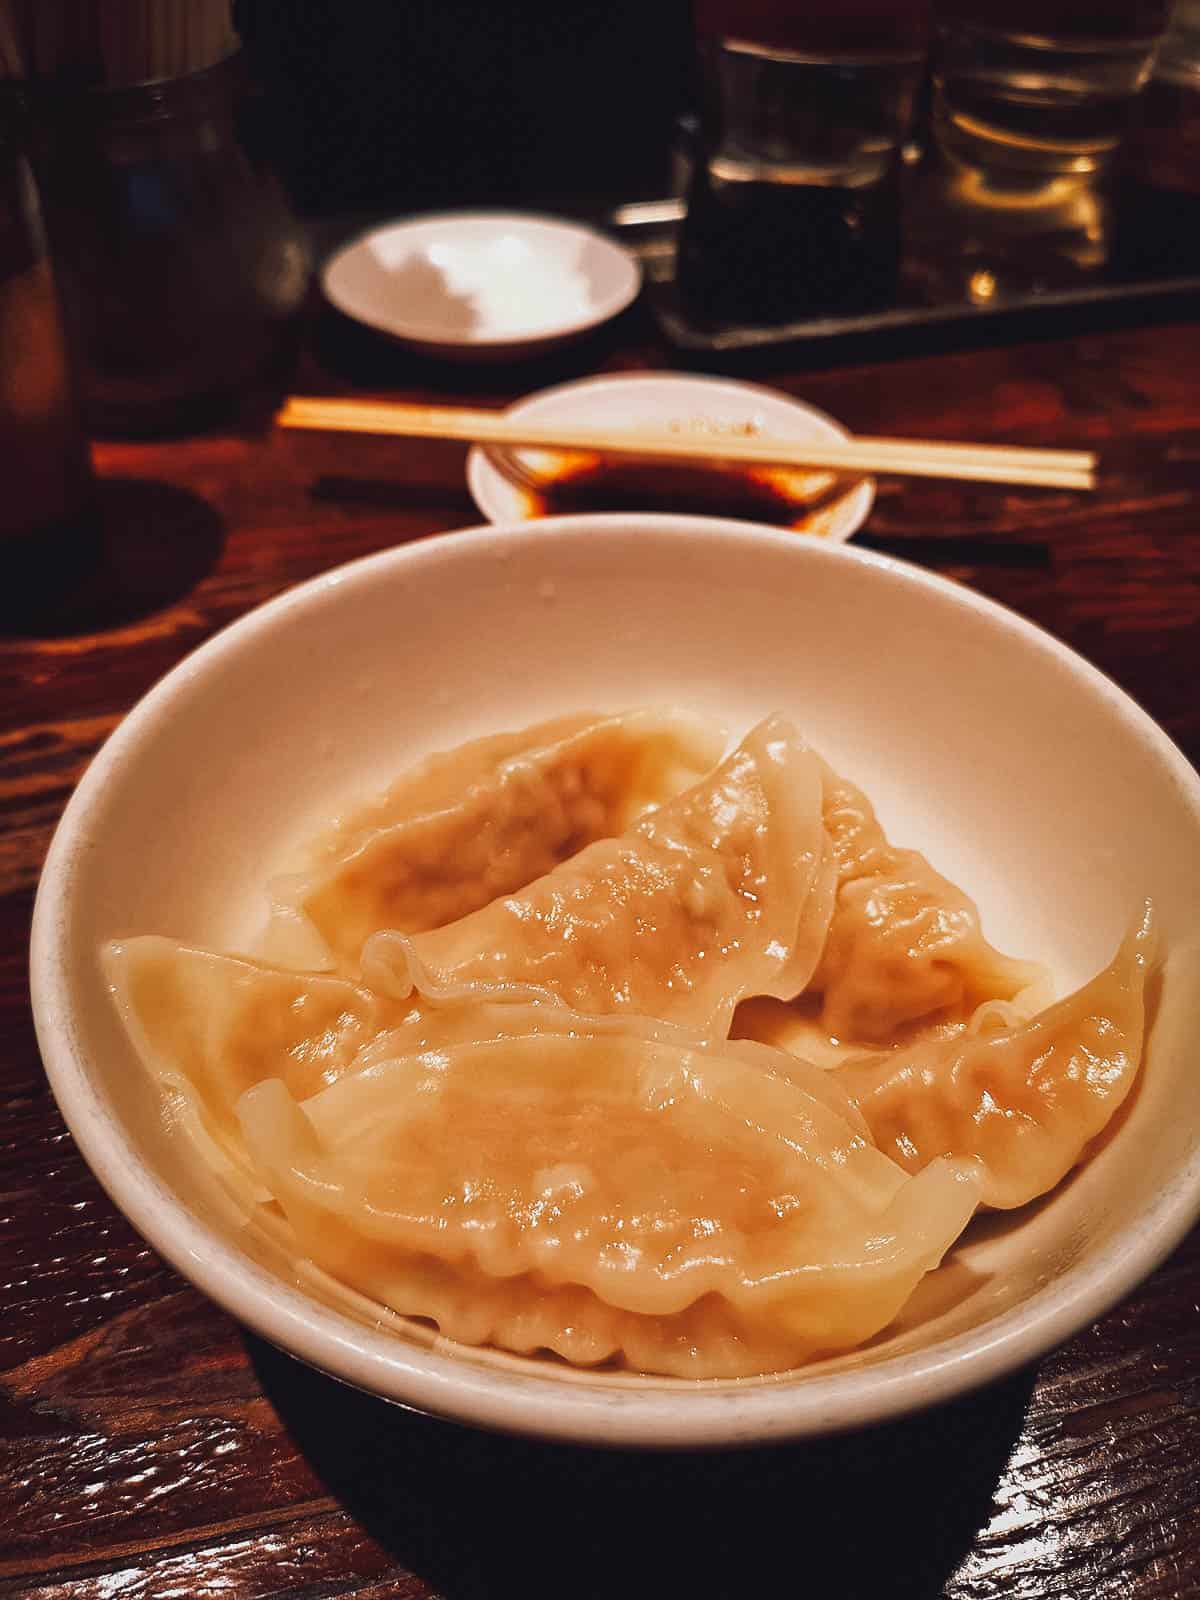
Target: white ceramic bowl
x=1021, y=770
x=658, y=400
x=482, y=285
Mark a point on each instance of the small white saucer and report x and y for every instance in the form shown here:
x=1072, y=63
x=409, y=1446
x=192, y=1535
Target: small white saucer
x=663, y=399
x=482, y=285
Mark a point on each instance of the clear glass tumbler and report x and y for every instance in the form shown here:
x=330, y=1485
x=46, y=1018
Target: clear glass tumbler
x=794, y=203
x=1031, y=105
x=1035, y=91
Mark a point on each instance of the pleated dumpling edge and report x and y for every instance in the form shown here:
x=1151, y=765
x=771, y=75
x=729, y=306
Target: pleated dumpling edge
x=607, y=1198
x=466, y=825
x=724, y=891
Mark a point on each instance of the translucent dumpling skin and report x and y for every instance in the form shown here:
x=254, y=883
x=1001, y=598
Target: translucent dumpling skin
x=486, y=819
x=606, y=1197
x=493, y=1078
x=209, y=1027
x=905, y=945
x=722, y=892
x=1025, y=1101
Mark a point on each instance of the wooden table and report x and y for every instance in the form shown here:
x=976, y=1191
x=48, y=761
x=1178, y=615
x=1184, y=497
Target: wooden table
x=149, y=1447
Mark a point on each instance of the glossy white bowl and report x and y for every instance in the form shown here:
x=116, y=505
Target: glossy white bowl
x=482, y=285
x=1021, y=770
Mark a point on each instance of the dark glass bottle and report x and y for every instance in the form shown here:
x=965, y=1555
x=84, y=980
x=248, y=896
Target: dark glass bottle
x=183, y=263
x=47, y=503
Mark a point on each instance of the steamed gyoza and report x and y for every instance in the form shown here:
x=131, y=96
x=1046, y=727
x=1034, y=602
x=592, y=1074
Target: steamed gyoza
x=1024, y=1100
x=905, y=945
x=517, y=1111
x=725, y=891
x=905, y=959
x=210, y=1026
x=486, y=819
x=606, y=1196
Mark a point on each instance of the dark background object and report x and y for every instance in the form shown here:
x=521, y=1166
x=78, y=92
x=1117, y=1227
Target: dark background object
x=46, y=488
x=183, y=266
x=708, y=1523
x=456, y=102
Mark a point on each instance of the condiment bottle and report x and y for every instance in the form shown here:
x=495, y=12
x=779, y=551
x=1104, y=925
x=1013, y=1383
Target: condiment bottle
x=47, y=507
x=182, y=260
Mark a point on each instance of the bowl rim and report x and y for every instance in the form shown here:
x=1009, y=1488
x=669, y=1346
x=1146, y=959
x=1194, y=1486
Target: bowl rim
x=718, y=1413
x=419, y=333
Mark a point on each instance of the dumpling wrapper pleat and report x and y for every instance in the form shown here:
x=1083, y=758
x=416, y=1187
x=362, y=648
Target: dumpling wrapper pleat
x=483, y=820
x=725, y=891
x=606, y=1197
x=1026, y=1100
x=905, y=944
x=208, y=1027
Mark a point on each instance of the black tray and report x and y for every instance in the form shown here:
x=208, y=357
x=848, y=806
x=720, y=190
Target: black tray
x=1155, y=267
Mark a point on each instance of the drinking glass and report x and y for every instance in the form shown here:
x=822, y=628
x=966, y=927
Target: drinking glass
x=794, y=203
x=1166, y=136
x=1039, y=90
x=1031, y=104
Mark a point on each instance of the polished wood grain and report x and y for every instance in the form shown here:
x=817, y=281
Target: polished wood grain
x=149, y=1447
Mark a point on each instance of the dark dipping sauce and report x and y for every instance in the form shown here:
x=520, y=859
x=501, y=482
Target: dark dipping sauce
x=806, y=501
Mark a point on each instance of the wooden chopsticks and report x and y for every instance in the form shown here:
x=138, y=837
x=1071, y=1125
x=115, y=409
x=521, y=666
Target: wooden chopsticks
x=1050, y=469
